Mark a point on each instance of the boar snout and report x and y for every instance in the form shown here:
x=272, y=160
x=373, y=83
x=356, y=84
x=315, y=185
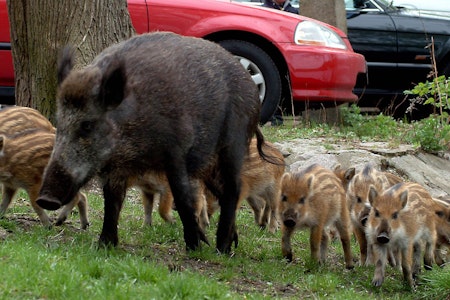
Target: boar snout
x=383, y=238
x=57, y=188
x=48, y=203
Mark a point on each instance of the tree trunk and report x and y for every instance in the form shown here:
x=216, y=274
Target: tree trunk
x=39, y=31
x=331, y=12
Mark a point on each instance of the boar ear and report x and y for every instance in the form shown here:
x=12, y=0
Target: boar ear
x=65, y=63
x=349, y=174
x=372, y=194
x=113, y=85
x=404, y=198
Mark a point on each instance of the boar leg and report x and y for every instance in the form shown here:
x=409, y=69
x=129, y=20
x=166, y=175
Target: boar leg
x=184, y=193
x=344, y=233
x=8, y=195
x=379, y=258
x=226, y=230
x=148, y=199
x=258, y=205
x=438, y=257
x=165, y=206
x=33, y=194
x=317, y=241
x=83, y=210
x=429, y=255
x=201, y=209
x=286, y=248
x=114, y=195
x=407, y=262
x=81, y=202
x=362, y=241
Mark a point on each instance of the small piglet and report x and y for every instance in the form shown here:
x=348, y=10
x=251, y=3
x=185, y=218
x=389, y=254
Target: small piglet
x=441, y=209
x=23, y=157
x=358, y=186
x=261, y=185
x=15, y=119
x=401, y=220
x=315, y=198
x=154, y=186
x=157, y=102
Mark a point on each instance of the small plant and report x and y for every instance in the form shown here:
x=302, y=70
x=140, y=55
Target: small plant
x=435, y=92
x=379, y=127
x=432, y=133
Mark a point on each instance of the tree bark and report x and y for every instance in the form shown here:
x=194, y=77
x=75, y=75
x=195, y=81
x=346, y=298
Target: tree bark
x=39, y=31
x=331, y=12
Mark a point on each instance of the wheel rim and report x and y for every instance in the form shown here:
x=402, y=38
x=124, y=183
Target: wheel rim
x=257, y=76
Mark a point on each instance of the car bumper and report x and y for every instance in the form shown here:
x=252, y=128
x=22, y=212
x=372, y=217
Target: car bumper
x=323, y=74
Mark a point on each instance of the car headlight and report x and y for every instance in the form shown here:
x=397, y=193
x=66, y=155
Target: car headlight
x=311, y=33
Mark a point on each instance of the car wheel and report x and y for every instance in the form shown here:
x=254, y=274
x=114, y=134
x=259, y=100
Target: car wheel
x=264, y=73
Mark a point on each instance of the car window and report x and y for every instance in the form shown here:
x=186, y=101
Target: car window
x=358, y=4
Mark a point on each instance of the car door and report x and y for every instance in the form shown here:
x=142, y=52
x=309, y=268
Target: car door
x=372, y=33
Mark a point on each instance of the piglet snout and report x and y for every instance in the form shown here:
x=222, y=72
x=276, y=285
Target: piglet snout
x=383, y=238
x=289, y=223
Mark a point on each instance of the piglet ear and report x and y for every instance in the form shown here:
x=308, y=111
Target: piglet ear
x=112, y=88
x=404, y=198
x=65, y=63
x=373, y=194
x=349, y=173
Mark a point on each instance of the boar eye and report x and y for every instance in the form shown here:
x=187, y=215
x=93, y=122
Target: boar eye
x=283, y=198
x=358, y=199
x=377, y=214
x=302, y=200
x=86, y=127
x=395, y=215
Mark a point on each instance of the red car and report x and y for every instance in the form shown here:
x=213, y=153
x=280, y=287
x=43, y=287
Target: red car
x=288, y=55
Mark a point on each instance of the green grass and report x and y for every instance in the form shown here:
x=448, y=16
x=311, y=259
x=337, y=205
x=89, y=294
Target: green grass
x=151, y=263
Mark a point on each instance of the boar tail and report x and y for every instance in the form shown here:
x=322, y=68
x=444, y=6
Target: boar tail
x=260, y=142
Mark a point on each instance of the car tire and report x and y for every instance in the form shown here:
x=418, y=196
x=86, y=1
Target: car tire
x=264, y=73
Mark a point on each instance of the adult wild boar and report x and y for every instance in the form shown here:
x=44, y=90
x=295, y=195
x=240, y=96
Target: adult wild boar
x=155, y=102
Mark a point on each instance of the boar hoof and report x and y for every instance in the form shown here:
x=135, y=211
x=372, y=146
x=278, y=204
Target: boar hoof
x=288, y=257
x=377, y=282
x=289, y=223
x=383, y=238
x=48, y=203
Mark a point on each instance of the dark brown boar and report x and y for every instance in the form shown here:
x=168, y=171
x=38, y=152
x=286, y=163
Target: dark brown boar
x=314, y=198
x=15, y=119
x=358, y=186
x=157, y=102
x=401, y=220
x=23, y=157
x=261, y=185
